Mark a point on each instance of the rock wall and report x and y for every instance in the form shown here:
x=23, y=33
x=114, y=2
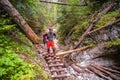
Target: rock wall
x=104, y=35
x=97, y=55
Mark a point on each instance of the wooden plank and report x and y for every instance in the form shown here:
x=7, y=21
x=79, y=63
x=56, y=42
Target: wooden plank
x=53, y=61
x=71, y=51
x=55, y=65
x=99, y=73
x=113, y=76
x=57, y=70
x=77, y=69
x=60, y=76
x=108, y=69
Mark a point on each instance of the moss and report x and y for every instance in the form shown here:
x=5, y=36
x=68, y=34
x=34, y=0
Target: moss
x=74, y=20
x=13, y=43
x=41, y=72
x=112, y=43
x=13, y=68
x=108, y=18
x=10, y=44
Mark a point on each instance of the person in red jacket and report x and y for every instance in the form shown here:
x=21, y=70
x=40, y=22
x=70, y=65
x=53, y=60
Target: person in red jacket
x=50, y=41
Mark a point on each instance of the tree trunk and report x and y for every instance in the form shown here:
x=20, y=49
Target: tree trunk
x=99, y=73
x=71, y=51
x=113, y=76
x=107, y=69
x=9, y=8
x=61, y=3
x=95, y=30
x=93, y=22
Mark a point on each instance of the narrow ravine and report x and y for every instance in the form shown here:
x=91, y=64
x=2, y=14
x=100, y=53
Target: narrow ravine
x=87, y=63
x=86, y=35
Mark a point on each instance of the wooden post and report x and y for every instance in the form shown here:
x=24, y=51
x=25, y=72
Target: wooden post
x=9, y=8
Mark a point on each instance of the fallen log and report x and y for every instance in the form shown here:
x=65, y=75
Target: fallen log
x=60, y=3
x=93, y=22
x=117, y=68
x=98, y=73
x=116, y=21
x=71, y=51
x=10, y=9
x=84, y=68
x=108, y=69
x=81, y=66
x=107, y=72
x=77, y=69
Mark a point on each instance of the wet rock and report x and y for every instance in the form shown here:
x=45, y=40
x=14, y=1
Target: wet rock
x=98, y=54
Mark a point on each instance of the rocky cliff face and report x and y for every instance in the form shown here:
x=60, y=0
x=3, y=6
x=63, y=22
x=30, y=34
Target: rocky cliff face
x=100, y=54
x=104, y=35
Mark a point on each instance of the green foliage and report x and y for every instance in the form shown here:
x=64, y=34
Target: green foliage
x=10, y=43
x=6, y=28
x=96, y=5
x=108, y=18
x=12, y=67
x=39, y=70
x=13, y=43
x=34, y=12
x=73, y=21
x=115, y=42
x=79, y=29
x=7, y=41
x=29, y=6
x=5, y=24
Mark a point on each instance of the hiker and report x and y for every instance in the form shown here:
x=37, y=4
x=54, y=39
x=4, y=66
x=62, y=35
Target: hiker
x=50, y=41
x=44, y=37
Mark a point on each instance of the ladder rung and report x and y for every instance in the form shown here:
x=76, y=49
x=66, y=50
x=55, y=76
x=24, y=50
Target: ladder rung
x=54, y=57
x=57, y=57
x=52, y=61
x=54, y=65
x=57, y=70
x=49, y=58
x=60, y=76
